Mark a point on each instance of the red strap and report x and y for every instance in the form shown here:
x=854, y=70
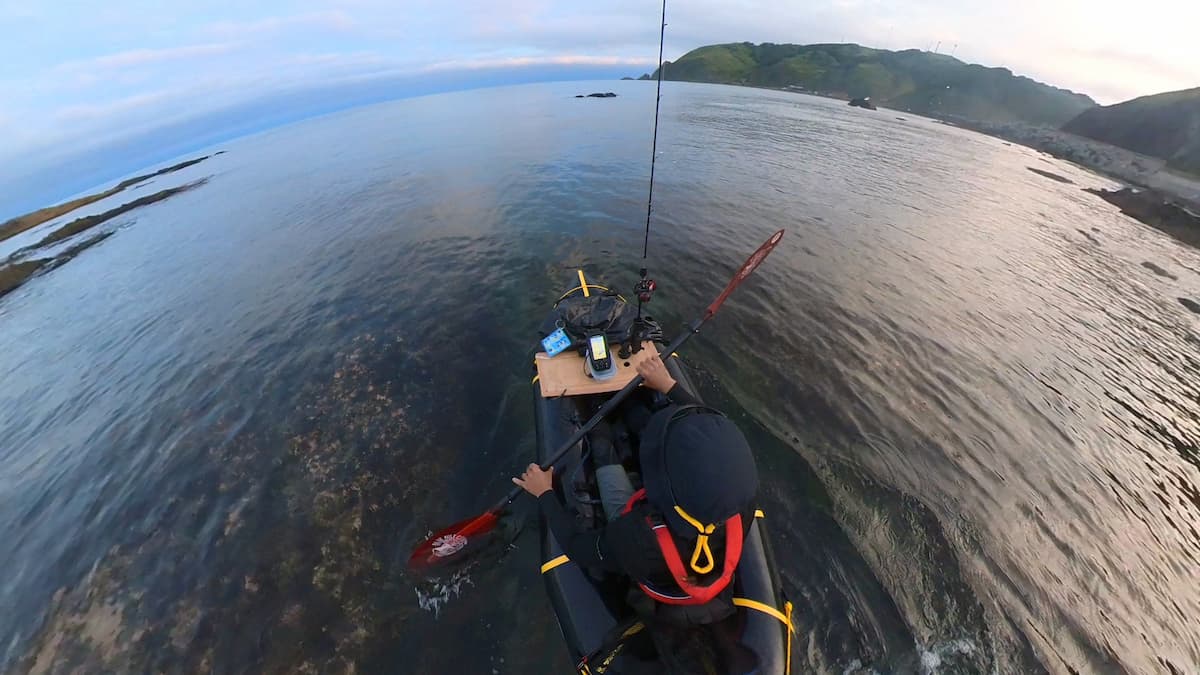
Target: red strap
x=697, y=595
x=694, y=594
x=638, y=496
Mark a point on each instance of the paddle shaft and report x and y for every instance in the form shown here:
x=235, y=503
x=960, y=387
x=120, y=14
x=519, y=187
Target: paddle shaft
x=609, y=405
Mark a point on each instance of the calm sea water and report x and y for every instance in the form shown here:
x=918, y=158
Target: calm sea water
x=974, y=391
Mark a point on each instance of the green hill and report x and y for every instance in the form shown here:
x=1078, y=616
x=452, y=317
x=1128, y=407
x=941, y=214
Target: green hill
x=922, y=82
x=1164, y=125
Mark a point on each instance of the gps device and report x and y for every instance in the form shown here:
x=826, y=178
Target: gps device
x=599, y=360
x=598, y=354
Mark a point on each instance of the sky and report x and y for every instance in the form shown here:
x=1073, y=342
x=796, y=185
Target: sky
x=91, y=91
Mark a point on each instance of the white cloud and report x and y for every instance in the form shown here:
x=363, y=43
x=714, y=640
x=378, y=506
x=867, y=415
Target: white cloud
x=165, y=61
x=92, y=112
x=211, y=91
x=331, y=20
x=526, y=61
x=144, y=57
x=115, y=74
x=335, y=61
x=1117, y=74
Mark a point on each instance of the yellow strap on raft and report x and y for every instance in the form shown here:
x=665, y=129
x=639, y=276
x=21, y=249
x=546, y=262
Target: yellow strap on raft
x=787, y=611
x=583, y=284
x=701, y=542
x=554, y=562
x=757, y=606
x=590, y=286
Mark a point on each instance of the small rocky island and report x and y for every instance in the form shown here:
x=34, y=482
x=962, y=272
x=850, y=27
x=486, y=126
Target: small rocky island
x=607, y=94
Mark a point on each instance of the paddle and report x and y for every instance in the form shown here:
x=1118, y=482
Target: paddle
x=451, y=544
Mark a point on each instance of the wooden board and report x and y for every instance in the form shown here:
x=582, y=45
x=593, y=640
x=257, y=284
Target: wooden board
x=564, y=375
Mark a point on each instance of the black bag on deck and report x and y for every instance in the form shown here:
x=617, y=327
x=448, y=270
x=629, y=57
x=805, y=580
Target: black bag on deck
x=604, y=313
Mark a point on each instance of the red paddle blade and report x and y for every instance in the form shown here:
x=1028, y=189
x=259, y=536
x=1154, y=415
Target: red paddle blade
x=451, y=544
x=747, y=269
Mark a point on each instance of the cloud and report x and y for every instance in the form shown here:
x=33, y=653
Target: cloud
x=133, y=64
x=527, y=61
x=1127, y=57
x=105, y=141
x=92, y=112
x=1126, y=62
x=74, y=123
x=331, y=20
x=1111, y=75
x=145, y=57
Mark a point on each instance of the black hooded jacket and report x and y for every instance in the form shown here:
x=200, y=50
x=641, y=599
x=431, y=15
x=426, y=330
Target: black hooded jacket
x=627, y=545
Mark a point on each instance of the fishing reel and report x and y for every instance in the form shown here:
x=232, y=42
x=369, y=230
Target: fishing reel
x=644, y=289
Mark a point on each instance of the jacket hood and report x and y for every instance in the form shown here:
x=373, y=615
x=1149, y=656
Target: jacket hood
x=704, y=466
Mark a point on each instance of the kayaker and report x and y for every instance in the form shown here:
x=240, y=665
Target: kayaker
x=680, y=538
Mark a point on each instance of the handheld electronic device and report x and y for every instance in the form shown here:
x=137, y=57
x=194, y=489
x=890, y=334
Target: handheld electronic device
x=599, y=361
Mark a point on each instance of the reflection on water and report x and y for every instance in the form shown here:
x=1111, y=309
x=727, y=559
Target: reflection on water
x=973, y=390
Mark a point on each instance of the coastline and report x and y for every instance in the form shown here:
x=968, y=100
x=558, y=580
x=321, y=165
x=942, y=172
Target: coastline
x=1137, y=170
x=1154, y=195
x=1134, y=169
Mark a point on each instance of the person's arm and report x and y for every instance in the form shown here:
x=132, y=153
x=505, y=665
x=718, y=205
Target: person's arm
x=681, y=396
x=656, y=376
x=584, y=547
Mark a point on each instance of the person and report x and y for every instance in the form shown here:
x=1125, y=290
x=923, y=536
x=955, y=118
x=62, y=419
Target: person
x=678, y=539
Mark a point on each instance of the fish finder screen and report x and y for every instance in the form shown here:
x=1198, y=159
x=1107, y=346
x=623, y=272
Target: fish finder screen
x=599, y=349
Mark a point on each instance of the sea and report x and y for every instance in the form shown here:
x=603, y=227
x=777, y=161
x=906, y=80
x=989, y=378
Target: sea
x=973, y=391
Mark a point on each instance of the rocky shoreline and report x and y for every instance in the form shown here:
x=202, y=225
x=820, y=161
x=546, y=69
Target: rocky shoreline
x=1167, y=200
x=28, y=221
x=1136, y=170
x=14, y=271
x=1156, y=210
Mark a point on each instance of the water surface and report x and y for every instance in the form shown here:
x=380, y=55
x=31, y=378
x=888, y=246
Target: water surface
x=974, y=396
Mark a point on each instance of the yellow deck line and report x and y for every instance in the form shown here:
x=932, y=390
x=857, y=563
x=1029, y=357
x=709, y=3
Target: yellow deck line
x=554, y=562
x=595, y=286
x=583, y=284
x=787, y=610
x=765, y=609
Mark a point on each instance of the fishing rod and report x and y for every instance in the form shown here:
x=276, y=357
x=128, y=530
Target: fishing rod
x=644, y=289
x=662, y=33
